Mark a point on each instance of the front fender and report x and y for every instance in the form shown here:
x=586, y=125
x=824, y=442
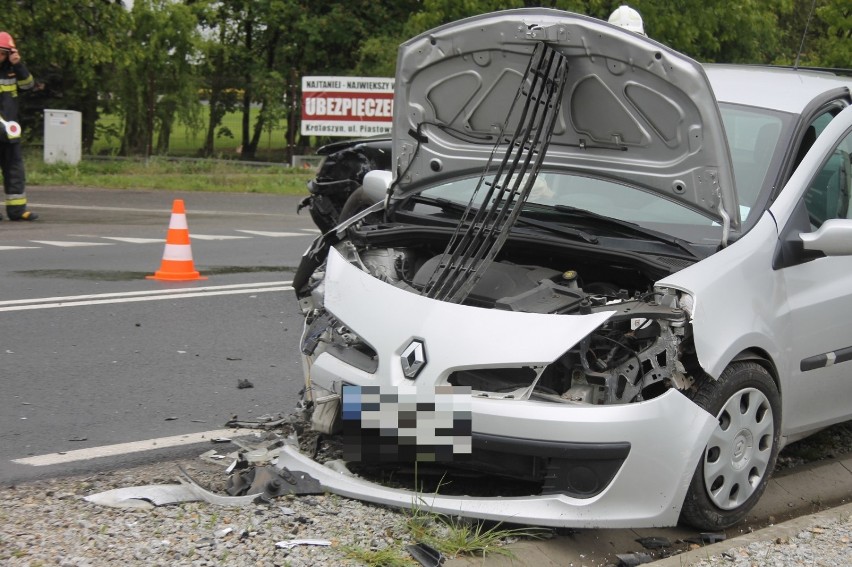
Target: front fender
x=739, y=300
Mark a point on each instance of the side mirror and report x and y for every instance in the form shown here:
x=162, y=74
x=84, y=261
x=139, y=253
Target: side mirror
x=376, y=184
x=833, y=238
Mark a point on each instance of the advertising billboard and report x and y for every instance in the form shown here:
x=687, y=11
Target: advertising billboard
x=347, y=106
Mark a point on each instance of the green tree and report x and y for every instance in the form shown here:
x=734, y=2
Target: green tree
x=216, y=68
x=834, y=48
x=163, y=42
x=72, y=48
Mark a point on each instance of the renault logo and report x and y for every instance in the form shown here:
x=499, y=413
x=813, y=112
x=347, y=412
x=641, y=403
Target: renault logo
x=413, y=359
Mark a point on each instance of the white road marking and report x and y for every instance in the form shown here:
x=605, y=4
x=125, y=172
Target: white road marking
x=132, y=447
x=271, y=234
x=135, y=240
x=168, y=211
x=69, y=244
x=194, y=236
x=133, y=296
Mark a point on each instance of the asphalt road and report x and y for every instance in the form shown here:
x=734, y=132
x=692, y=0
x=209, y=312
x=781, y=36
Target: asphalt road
x=139, y=359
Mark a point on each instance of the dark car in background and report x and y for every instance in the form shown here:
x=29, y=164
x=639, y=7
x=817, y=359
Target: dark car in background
x=340, y=175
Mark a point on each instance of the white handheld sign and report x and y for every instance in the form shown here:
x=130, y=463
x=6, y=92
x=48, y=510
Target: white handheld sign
x=13, y=129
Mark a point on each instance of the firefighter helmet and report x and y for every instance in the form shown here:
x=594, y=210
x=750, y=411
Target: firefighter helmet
x=627, y=18
x=6, y=41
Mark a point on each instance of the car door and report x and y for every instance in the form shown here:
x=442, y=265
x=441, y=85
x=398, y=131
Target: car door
x=814, y=263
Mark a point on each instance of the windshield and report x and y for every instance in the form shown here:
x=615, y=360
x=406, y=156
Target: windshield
x=753, y=137
x=558, y=192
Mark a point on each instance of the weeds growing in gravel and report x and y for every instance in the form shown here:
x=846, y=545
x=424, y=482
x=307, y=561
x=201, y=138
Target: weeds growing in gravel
x=387, y=557
x=460, y=536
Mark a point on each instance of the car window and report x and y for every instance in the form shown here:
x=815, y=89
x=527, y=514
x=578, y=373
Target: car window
x=753, y=137
x=827, y=196
x=823, y=119
x=812, y=132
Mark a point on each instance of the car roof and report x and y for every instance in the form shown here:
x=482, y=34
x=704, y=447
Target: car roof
x=779, y=88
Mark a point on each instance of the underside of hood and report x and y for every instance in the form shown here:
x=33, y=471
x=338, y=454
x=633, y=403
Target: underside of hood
x=631, y=110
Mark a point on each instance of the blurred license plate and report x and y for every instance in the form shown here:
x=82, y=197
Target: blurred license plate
x=400, y=424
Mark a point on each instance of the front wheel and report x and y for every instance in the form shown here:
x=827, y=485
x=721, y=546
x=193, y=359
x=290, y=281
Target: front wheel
x=741, y=452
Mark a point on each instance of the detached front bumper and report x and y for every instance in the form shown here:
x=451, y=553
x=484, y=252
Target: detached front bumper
x=667, y=436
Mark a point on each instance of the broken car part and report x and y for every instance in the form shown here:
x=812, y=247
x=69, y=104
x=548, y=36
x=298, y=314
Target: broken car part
x=425, y=554
x=271, y=482
x=144, y=496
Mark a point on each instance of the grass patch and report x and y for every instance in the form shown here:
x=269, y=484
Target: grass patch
x=458, y=536
x=171, y=175
x=454, y=536
x=387, y=557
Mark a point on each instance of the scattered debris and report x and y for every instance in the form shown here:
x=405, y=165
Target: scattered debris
x=290, y=544
x=223, y=532
x=220, y=440
x=212, y=456
x=244, y=383
x=272, y=482
x=171, y=418
x=232, y=358
x=212, y=498
x=425, y=554
x=232, y=466
x=146, y=496
x=265, y=421
x=79, y=439
x=633, y=559
x=653, y=542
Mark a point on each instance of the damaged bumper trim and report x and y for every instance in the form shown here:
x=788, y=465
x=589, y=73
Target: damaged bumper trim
x=669, y=430
x=555, y=449
x=580, y=470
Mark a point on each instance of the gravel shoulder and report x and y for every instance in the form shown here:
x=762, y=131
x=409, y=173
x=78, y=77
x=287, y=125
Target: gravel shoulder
x=48, y=522
x=824, y=538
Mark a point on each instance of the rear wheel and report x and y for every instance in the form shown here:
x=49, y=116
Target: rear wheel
x=741, y=452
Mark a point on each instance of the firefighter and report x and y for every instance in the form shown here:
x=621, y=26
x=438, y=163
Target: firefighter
x=13, y=76
x=627, y=18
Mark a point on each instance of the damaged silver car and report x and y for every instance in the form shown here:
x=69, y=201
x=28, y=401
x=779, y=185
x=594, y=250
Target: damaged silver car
x=634, y=271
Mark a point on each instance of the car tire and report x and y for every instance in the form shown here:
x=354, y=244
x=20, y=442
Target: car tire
x=736, y=463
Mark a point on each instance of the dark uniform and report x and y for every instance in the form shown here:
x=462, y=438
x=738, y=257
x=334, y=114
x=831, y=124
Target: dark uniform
x=13, y=78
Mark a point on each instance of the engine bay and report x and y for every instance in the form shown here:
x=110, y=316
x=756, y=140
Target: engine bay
x=636, y=355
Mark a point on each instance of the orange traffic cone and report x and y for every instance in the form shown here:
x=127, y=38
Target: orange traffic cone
x=177, y=265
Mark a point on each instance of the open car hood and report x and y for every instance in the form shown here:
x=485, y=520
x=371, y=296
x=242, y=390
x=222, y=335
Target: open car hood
x=632, y=110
